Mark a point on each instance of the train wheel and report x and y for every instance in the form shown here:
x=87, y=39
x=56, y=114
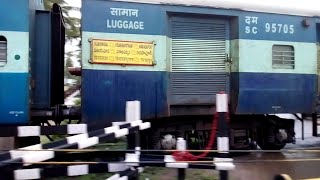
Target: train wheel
x=271, y=139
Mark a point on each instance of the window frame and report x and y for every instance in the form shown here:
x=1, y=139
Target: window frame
x=4, y=62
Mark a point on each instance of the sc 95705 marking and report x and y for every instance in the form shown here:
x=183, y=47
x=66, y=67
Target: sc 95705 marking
x=279, y=28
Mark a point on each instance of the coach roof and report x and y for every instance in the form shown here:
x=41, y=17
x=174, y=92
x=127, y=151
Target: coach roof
x=290, y=7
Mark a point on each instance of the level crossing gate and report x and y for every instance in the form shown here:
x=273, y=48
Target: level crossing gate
x=67, y=157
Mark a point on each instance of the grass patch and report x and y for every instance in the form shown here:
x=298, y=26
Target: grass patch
x=201, y=174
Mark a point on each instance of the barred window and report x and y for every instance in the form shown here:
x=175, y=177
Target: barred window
x=283, y=57
x=3, y=51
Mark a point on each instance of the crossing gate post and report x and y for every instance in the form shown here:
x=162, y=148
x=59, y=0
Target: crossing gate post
x=181, y=146
x=223, y=132
x=133, y=113
x=315, y=124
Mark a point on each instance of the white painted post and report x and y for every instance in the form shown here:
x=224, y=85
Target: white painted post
x=222, y=102
x=181, y=146
x=223, y=137
x=133, y=114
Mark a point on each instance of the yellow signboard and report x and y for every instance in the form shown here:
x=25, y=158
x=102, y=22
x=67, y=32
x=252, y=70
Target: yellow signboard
x=122, y=52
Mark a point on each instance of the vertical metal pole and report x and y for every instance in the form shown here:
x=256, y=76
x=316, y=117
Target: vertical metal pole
x=302, y=125
x=181, y=174
x=131, y=144
x=223, y=175
x=223, y=134
x=133, y=140
x=314, y=125
x=137, y=147
x=181, y=146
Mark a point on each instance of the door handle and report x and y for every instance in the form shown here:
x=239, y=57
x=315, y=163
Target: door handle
x=228, y=59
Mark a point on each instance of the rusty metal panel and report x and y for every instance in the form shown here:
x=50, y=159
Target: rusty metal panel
x=198, y=53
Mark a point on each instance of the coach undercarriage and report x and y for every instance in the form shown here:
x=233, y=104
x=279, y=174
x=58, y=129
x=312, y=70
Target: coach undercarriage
x=245, y=132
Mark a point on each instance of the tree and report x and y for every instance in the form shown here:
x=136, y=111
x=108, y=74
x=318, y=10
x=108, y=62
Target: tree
x=72, y=33
x=72, y=23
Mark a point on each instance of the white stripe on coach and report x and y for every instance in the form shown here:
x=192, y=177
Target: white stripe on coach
x=77, y=128
x=24, y=174
x=78, y=170
x=25, y=131
x=222, y=102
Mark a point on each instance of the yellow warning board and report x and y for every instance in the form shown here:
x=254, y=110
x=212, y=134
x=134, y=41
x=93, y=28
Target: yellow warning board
x=122, y=52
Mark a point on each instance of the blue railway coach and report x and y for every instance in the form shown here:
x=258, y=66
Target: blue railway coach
x=264, y=58
x=31, y=60
x=14, y=55
x=172, y=55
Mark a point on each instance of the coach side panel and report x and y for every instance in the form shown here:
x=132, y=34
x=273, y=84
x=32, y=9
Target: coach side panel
x=277, y=64
x=14, y=63
x=107, y=85
x=261, y=82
